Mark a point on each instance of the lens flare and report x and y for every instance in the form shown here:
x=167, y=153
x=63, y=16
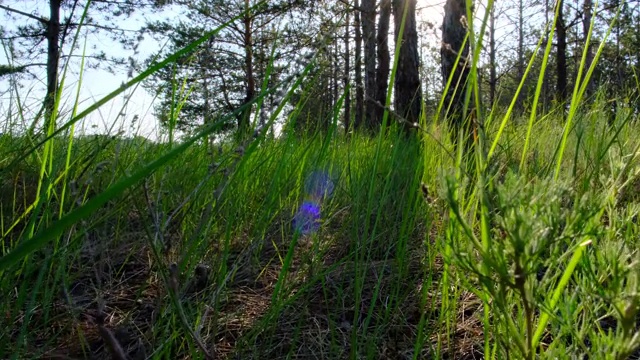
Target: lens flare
x=307, y=219
x=318, y=187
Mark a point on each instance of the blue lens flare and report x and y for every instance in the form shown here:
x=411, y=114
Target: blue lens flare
x=318, y=187
x=307, y=219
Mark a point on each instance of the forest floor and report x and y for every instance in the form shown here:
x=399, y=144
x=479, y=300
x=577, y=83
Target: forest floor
x=214, y=255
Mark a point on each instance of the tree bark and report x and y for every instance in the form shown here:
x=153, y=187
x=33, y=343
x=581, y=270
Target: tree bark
x=618, y=77
x=53, y=57
x=492, y=56
x=520, y=105
x=369, y=35
x=358, y=65
x=545, y=80
x=243, y=121
x=561, y=56
x=336, y=72
x=408, y=93
x=347, y=59
x=382, y=72
x=454, y=31
x=586, y=24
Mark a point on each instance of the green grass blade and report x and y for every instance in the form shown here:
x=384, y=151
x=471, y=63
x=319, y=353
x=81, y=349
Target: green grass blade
x=41, y=238
x=557, y=293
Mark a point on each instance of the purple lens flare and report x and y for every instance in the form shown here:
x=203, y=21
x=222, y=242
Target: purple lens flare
x=318, y=187
x=307, y=219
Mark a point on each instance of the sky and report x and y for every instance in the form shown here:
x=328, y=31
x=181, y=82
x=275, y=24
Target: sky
x=98, y=83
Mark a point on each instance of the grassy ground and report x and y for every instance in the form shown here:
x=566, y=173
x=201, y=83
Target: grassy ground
x=325, y=246
x=208, y=255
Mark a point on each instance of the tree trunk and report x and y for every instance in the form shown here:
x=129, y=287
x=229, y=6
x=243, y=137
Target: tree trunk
x=53, y=56
x=408, y=93
x=520, y=105
x=347, y=97
x=243, y=124
x=618, y=77
x=382, y=73
x=561, y=56
x=330, y=77
x=336, y=72
x=492, y=56
x=369, y=35
x=454, y=31
x=586, y=24
x=545, y=80
x=358, y=65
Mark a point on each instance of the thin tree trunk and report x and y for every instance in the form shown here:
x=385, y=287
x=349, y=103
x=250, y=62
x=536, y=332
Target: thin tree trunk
x=454, y=32
x=561, y=56
x=492, y=57
x=53, y=56
x=369, y=35
x=347, y=55
x=619, y=80
x=243, y=124
x=545, y=80
x=408, y=93
x=358, y=65
x=520, y=106
x=382, y=72
x=586, y=24
x=336, y=72
x=330, y=80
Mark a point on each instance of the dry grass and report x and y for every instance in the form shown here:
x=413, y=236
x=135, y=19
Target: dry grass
x=118, y=280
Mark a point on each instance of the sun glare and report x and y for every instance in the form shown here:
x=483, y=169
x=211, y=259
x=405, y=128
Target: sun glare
x=430, y=10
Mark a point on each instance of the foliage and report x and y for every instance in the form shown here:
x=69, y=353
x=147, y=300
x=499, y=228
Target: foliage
x=221, y=75
x=25, y=41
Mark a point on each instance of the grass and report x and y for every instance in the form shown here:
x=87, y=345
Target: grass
x=323, y=245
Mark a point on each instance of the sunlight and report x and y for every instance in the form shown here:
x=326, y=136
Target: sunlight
x=430, y=10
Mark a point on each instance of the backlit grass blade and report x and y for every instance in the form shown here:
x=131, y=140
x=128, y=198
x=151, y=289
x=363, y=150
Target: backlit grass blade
x=580, y=88
x=514, y=100
x=42, y=237
x=557, y=293
x=536, y=96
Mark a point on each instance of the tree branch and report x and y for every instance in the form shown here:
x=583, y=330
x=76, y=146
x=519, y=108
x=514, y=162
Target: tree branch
x=10, y=69
x=353, y=7
x=102, y=27
x=42, y=20
x=22, y=36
